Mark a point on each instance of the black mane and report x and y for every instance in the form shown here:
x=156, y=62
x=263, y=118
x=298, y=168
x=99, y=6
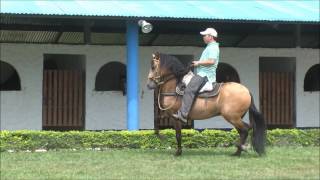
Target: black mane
x=174, y=65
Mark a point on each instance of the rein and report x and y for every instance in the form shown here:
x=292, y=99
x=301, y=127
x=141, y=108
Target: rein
x=161, y=80
x=160, y=83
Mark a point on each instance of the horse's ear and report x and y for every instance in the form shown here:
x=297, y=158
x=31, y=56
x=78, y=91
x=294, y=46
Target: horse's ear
x=155, y=58
x=157, y=55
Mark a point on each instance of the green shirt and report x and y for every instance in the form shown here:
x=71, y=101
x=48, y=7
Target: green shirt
x=210, y=52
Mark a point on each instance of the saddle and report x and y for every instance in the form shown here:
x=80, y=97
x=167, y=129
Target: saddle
x=206, y=94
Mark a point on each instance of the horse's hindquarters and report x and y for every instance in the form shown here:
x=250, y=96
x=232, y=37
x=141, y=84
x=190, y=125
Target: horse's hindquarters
x=232, y=102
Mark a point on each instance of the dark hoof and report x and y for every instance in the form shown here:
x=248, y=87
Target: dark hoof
x=178, y=153
x=237, y=153
x=239, y=150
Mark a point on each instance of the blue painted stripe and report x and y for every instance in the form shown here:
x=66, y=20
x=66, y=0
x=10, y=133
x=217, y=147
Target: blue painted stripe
x=132, y=76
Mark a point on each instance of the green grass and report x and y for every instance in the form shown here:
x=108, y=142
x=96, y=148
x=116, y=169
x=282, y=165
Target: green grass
x=215, y=163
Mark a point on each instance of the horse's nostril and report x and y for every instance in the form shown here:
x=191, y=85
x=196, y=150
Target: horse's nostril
x=151, y=84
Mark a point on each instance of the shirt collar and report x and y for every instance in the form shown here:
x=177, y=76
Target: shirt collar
x=212, y=43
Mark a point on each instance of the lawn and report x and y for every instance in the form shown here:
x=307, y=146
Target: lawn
x=215, y=163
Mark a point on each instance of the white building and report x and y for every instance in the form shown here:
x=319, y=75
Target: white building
x=66, y=71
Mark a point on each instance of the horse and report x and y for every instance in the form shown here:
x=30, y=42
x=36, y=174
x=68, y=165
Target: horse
x=232, y=103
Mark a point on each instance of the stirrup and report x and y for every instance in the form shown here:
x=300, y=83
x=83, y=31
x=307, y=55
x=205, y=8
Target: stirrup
x=179, y=116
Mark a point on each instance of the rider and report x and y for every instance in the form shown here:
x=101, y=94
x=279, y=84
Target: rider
x=205, y=69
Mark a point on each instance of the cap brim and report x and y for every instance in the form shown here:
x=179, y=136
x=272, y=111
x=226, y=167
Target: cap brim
x=203, y=33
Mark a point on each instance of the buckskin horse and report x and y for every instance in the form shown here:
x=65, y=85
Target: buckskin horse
x=232, y=103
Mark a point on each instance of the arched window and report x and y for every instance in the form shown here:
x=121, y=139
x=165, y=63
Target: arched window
x=111, y=77
x=226, y=73
x=9, y=78
x=312, y=79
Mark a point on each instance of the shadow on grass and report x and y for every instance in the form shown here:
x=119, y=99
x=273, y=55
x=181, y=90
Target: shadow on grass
x=228, y=152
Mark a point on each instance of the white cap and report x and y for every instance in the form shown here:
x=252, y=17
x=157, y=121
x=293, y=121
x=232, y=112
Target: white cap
x=210, y=31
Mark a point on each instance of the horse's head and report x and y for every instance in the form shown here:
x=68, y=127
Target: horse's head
x=163, y=68
x=155, y=72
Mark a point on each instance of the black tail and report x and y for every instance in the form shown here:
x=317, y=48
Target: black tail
x=259, y=128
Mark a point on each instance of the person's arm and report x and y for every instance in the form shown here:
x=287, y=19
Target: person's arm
x=204, y=63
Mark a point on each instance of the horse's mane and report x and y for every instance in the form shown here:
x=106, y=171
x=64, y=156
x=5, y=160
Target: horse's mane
x=174, y=65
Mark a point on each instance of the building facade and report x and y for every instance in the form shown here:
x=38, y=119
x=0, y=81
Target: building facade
x=82, y=65
x=23, y=109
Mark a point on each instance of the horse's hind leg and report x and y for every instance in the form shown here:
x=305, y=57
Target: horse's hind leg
x=178, y=127
x=242, y=128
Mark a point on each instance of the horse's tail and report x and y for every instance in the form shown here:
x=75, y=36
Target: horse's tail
x=259, y=128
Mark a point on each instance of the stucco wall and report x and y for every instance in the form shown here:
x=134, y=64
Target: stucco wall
x=107, y=110
x=22, y=109
x=308, y=104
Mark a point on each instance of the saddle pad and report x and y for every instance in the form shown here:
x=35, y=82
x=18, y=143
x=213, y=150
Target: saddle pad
x=206, y=94
x=214, y=92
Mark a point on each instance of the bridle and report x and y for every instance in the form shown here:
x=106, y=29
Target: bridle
x=160, y=80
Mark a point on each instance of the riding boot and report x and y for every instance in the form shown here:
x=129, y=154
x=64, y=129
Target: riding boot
x=196, y=83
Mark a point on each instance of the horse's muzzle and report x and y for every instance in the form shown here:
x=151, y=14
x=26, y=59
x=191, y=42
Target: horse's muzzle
x=151, y=84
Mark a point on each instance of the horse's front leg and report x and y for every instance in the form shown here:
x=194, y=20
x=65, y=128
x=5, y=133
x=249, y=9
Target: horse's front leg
x=178, y=127
x=157, y=133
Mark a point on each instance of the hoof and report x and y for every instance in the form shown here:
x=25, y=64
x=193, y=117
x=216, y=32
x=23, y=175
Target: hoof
x=178, y=153
x=239, y=150
x=238, y=154
x=244, y=148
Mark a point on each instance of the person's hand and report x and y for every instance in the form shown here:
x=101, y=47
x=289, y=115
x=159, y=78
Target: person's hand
x=195, y=63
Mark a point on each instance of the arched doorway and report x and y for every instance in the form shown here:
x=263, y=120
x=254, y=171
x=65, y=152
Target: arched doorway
x=226, y=73
x=9, y=78
x=111, y=77
x=312, y=79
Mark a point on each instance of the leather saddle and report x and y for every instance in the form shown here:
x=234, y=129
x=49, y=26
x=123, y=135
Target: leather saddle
x=205, y=94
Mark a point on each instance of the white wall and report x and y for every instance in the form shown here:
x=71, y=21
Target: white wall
x=308, y=104
x=22, y=109
x=107, y=110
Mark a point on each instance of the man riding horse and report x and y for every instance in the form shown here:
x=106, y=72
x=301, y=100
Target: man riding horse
x=205, y=69
x=232, y=101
